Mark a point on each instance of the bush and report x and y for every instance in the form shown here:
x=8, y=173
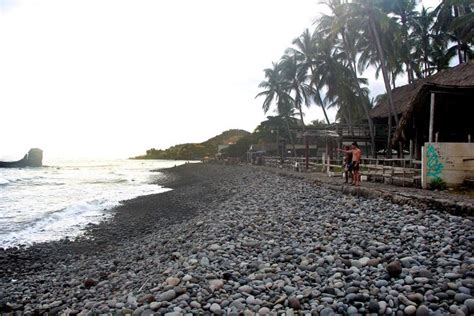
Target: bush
x=437, y=184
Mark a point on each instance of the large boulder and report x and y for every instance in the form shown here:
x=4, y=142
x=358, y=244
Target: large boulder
x=35, y=158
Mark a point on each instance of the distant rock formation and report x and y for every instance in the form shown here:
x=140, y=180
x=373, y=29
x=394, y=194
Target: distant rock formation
x=34, y=158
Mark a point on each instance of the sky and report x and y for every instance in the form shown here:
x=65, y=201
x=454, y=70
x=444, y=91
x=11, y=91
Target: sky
x=112, y=78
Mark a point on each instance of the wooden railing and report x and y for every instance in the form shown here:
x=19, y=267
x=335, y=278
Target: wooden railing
x=393, y=171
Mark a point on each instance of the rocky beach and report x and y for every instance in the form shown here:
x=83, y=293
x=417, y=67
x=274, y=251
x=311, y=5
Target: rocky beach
x=239, y=240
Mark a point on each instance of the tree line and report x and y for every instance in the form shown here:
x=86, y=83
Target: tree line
x=324, y=65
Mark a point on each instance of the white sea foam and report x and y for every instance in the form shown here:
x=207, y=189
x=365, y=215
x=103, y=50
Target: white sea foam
x=45, y=204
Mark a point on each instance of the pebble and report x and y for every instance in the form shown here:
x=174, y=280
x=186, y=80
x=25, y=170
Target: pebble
x=172, y=281
x=248, y=248
x=327, y=311
x=216, y=284
x=204, y=261
x=294, y=303
x=461, y=297
x=245, y=289
x=394, y=268
x=352, y=310
x=155, y=305
x=470, y=305
x=422, y=310
x=215, y=308
x=410, y=310
x=167, y=296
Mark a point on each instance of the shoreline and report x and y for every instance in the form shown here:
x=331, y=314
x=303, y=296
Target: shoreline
x=229, y=239
x=109, y=232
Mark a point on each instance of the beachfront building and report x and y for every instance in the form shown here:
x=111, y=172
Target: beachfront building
x=439, y=108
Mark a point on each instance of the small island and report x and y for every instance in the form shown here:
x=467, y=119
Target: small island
x=196, y=151
x=34, y=158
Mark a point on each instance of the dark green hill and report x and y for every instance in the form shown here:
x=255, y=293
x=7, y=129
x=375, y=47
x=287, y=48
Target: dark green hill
x=194, y=151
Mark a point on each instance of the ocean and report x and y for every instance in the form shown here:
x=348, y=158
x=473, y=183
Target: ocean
x=61, y=199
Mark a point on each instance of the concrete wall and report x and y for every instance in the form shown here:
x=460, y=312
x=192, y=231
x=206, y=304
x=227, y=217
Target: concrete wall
x=452, y=162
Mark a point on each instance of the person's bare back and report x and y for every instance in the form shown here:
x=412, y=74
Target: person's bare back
x=356, y=154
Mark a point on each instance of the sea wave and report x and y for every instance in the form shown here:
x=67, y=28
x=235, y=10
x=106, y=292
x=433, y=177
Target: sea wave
x=45, y=204
x=66, y=222
x=63, y=222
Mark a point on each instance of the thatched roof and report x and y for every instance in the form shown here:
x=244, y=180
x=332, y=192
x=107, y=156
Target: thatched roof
x=461, y=76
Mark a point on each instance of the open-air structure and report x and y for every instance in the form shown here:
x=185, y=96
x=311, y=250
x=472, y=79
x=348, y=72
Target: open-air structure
x=436, y=108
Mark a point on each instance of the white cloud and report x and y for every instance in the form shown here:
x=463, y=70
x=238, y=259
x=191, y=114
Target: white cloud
x=115, y=77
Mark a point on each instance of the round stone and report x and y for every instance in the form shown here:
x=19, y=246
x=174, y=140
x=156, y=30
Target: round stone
x=410, y=310
x=215, y=308
x=422, y=310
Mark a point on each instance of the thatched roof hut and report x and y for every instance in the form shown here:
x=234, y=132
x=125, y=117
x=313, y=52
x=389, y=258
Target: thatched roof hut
x=454, y=92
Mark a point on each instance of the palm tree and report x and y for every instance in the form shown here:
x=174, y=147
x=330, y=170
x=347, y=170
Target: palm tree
x=404, y=13
x=344, y=38
x=295, y=72
x=370, y=21
x=275, y=92
x=423, y=51
x=455, y=19
x=306, y=46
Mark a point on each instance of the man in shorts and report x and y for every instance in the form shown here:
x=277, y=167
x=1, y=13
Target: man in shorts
x=348, y=164
x=356, y=155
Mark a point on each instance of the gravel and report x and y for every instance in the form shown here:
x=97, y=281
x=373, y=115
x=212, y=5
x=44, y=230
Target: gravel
x=237, y=239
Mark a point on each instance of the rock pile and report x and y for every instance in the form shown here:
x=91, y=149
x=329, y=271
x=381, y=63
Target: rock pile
x=273, y=244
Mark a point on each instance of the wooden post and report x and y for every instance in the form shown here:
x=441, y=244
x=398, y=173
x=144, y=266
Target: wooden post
x=327, y=155
x=436, y=137
x=307, y=150
x=432, y=109
x=411, y=149
x=329, y=165
x=469, y=138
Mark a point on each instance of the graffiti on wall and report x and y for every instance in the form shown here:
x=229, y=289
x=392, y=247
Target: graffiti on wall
x=433, y=163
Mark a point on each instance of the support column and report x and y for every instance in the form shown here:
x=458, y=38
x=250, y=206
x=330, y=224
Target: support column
x=432, y=109
x=306, y=150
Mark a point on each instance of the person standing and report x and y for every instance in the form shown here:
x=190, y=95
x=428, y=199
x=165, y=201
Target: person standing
x=348, y=164
x=356, y=155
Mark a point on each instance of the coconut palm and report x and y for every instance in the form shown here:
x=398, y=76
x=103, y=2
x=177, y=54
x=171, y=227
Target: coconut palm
x=306, y=46
x=423, y=51
x=295, y=72
x=455, y=21
x=344, y=38
x=275, y=92
x=371, y=22
x=404, y=13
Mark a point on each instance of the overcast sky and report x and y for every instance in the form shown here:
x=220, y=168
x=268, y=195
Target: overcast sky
x=112, y=78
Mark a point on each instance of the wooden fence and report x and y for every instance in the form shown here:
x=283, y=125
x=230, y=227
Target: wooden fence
x=394, y=171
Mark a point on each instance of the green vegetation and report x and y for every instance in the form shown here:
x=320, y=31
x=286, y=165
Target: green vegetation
x=271, y=130
x=323, y=66
x=437, y=184
x=196, y=151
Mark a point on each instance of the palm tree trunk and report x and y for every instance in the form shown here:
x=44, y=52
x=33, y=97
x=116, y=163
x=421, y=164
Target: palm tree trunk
x=325, y=114
x=351, y=125
x=459, y=46
x=346, y=120
x=290, y=136
x=322, y=105
x=386, y=80
x=411, y=76
x=362, y=103
x=303, y=128
x=383, y=67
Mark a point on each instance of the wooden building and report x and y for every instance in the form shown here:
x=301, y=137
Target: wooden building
x=436, y=108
